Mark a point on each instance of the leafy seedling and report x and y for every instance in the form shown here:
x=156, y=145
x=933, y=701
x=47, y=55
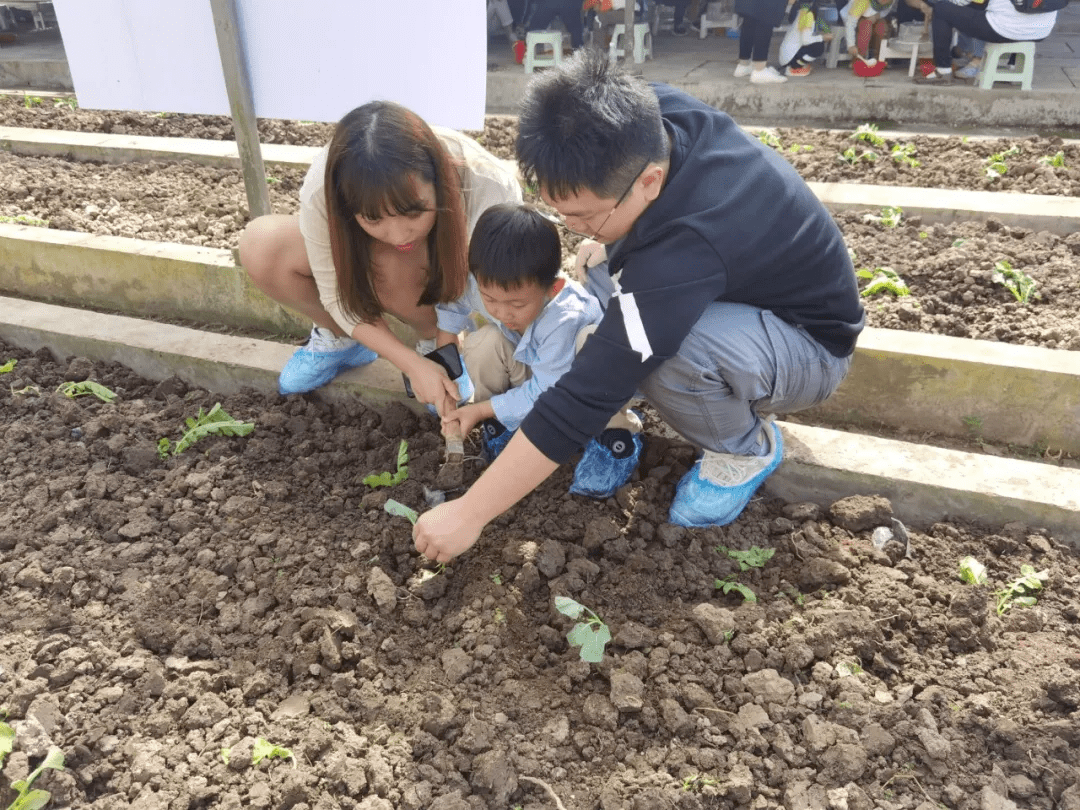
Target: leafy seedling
x=904, y=154
x=769, y=139
x=996, y=165
x=215, y=422
x=890, y=216
x=754, y=557
x=590, y=634
x=9, y=366
x=1020, y=284
x=267, y=750
x=397, y=509
x=729, y=584
x=22, y=219
x=883, y=279
x=801, y=147
x=972, y=571
x=868, y=133
x=25, y=798
x=71, y=103
x=1056, y=161
x=32, y=101
x=388, y=479
x=86, y=388
x=1018, y=592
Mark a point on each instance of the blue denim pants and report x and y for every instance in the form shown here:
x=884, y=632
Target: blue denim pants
x=738, y=363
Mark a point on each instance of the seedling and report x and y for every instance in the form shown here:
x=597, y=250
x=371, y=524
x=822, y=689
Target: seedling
x=883, y=279
x=397, y=509
x=27, y=799
x=590, y=634
x=868, y=133
x=267, y=750
x=32, y=101
x=86, y=388
x=972, y=571
x=729, y=584
x=1019, y=283
x=846, y=669
x=270, y=181
x=22, y=219
x=496, y=578
x=996, y=165
x=801, y=147
x=66, y=102
x=1057, y=161
x=387, y=479
x=8, y=367
x=890, y=216
x=754, y=557
x=215, y=422
x=850, y=155
x=1018, y=592
x=973, y=424
x=923, y=234
x=903, y=154
x=769, y=139
x=694, y=784
x=28, y=391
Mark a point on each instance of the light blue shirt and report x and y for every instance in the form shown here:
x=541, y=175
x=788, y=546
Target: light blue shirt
x=546, y=346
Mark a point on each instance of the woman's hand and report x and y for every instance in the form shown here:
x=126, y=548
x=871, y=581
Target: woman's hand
x=590, y=253
x=432, y=386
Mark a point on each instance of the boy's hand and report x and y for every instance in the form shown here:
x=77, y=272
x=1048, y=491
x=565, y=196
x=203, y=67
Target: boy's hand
x=590, y=253
x=432, y=386
x=467, y=417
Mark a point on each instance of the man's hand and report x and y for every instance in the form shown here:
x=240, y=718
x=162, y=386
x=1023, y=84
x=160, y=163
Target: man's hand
x=446, y=531
x=590, y=253
x=432, y=386
x=467, y=416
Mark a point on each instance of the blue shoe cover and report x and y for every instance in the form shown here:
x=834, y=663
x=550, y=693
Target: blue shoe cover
x=308, y=369
x=607, y=464
x=720, y=495
x=494, y=437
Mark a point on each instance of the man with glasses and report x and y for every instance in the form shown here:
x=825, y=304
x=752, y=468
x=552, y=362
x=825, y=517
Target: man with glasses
x=728, y=292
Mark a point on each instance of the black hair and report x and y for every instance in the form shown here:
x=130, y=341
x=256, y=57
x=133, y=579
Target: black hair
x=514, y=244
x=588, y=125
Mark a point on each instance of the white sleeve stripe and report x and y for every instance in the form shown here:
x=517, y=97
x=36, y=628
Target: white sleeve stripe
x=635, y=329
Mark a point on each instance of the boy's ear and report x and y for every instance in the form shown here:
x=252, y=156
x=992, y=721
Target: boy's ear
x=556, y=288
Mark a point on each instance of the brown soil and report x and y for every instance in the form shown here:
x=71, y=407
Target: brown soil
x=157, y=613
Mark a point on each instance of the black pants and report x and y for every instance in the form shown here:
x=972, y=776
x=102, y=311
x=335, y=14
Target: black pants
x=543, y=12
x=754, y=38
x=970, y=20
x=680, y=10
x=806, y=54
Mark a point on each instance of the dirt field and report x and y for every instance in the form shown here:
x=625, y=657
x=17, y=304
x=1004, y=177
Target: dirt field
x=161, y=616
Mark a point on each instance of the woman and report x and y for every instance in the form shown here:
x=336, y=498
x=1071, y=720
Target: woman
x=759, y=18
x=385, y=214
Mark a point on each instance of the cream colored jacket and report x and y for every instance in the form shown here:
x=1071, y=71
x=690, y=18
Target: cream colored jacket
x=485, y=181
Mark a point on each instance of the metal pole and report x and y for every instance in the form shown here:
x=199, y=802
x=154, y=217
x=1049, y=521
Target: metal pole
x=241, y=105
x=630, y=65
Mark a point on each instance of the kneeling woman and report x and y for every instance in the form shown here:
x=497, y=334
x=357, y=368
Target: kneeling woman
x=385, y=215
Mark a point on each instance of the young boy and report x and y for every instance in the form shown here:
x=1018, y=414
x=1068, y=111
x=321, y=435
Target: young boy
x=537, y=320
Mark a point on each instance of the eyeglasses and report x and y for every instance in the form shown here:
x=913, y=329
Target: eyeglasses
x=618, y=202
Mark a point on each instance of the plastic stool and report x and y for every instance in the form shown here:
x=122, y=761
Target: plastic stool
x=535, y=38
x=991, y=73
x=642, y=43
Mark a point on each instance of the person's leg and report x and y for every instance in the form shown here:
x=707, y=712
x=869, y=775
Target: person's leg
x=762, y=38
x=747, y=30
x=970, y=19
x=678, y=24
x=272, y=252
x=737, y=363
x=801, y=61
x=570, y=14
x=489, y=359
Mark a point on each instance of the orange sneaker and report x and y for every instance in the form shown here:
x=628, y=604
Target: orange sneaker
x=794, y=71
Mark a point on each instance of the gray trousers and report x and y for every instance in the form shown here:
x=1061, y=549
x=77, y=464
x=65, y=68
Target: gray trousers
x=737, y=363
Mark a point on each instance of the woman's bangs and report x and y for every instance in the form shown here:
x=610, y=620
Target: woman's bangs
x=387, y=195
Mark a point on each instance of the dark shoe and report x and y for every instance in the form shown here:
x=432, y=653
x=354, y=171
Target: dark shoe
x=680, y=30
x=934, y=78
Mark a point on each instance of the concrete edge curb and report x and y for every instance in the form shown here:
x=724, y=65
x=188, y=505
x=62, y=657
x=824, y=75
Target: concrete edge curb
x=925, y=484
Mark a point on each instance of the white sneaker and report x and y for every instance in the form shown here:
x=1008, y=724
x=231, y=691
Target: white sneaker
x=742, y=70
x=767, y=76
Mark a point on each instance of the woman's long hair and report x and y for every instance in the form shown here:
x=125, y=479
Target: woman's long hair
x=377, y=152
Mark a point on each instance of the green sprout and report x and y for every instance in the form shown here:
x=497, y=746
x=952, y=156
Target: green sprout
x=754, y=557
x=694, y=784
x=801, y=147
x=849, y=155
x=973, y=424
x=1018, y=592
x=387, y=479
x=270, y=180
x=9, y=366
x=266, y=750
x=904, y=154
x=32, y=101
x=590, y=634
x=215, y=422
x=86, y=388
x=770, y=139
x=496, y=577
x=1020, y=284
x=972, y=571
x=729, y=584
x=890, y=216
x=868, y=133
x=996, y=165
x=25, y=798
x=392, y=507
x=22, y=219
x=1057, y=161
x=883, y=279
x=69, y=102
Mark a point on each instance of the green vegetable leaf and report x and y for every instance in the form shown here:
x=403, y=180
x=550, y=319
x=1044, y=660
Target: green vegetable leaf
x=215, y=422
x=397, y=509
x=7, y=740
x=387, y=479
x=267, y=750
x=8, y=366
x=754, y=557
x=591, y=638
x=568, y=607
x=85, y=388
x=727, y=586
x=972, y=571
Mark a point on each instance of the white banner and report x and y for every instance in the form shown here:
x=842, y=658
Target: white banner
x=310, y=60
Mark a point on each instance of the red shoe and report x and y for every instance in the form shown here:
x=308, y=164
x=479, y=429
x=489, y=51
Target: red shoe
x=800, y=71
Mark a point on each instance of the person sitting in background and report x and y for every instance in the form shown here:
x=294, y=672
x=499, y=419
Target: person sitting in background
x=805, y=39
x=759, y=18
x=679, y=27
x=539, y=14
x=865, y=26
x=499, y=16
x=996, y=21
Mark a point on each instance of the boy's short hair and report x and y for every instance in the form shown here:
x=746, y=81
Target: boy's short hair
x=515, y=244
x=588, y=125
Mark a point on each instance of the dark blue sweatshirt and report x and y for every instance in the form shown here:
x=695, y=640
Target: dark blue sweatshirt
x=734, y=222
